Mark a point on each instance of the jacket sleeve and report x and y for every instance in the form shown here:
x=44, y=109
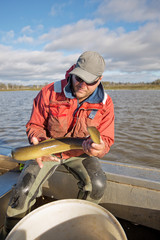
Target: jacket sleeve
x=36, y=127
x=106, y=127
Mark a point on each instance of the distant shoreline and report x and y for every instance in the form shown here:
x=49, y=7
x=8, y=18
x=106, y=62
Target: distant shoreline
x=106, y=88
x=107, y=85
x=133, y=87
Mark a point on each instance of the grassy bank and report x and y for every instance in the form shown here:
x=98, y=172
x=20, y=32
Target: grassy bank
x=107, y=85
x=132, y=87
x=20, y=89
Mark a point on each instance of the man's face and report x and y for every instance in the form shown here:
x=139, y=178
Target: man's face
x=81, y=89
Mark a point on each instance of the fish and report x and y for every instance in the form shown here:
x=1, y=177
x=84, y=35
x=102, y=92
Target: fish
x=53, y=146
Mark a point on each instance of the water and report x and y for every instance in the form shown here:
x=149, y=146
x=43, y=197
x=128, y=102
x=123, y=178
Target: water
x=137, y=127
x=137, y=124
x=15, y=110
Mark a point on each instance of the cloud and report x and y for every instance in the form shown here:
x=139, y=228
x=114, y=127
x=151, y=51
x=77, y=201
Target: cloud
x=25, y=39
x=79, y=35
x=27, y=35
x=7, y=36
x=32, y=67
x=126, y=51
x=129, y=11
x=57, y=9
x=134, y=53
x=130, y=55
x=27, y=29
x=40, y=27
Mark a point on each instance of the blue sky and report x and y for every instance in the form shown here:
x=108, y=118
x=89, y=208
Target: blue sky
x=40, y=40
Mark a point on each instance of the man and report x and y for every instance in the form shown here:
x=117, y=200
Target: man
x=65, y=109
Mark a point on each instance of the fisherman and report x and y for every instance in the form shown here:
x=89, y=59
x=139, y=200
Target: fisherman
x=65, y=109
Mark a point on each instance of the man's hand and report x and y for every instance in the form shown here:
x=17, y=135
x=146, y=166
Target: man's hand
x=40, y=160
x=94, y=149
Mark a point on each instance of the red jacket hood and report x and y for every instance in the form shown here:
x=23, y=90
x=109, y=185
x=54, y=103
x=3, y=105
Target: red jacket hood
x=69, y=70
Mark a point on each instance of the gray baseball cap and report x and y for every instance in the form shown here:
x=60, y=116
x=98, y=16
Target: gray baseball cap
x=90, y=65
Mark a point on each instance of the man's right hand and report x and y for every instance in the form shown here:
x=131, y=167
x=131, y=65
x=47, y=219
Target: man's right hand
x=47, y=158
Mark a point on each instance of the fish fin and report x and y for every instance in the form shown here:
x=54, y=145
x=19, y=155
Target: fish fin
x=94, y=134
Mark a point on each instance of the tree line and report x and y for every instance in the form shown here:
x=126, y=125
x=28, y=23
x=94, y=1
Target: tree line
x=11, y=87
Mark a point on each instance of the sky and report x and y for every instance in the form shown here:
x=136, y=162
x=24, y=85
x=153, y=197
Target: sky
x=41, y=39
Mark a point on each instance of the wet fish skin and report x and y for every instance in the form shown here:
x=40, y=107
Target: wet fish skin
x=53, y=146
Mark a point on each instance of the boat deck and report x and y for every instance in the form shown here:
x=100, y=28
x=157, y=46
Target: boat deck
x=132, y=194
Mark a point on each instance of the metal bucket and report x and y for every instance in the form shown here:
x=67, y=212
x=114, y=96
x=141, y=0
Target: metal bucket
x=68, y=220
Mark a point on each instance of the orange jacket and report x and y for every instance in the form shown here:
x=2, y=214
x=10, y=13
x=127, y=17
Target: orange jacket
x=52, y=117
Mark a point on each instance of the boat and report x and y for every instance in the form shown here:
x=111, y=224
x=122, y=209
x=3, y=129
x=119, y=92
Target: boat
x=132, y=192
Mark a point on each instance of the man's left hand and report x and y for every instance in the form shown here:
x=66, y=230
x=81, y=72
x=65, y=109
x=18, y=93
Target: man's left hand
x=94, y=149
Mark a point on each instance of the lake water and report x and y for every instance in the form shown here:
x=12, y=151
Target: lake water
x=137, y=124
